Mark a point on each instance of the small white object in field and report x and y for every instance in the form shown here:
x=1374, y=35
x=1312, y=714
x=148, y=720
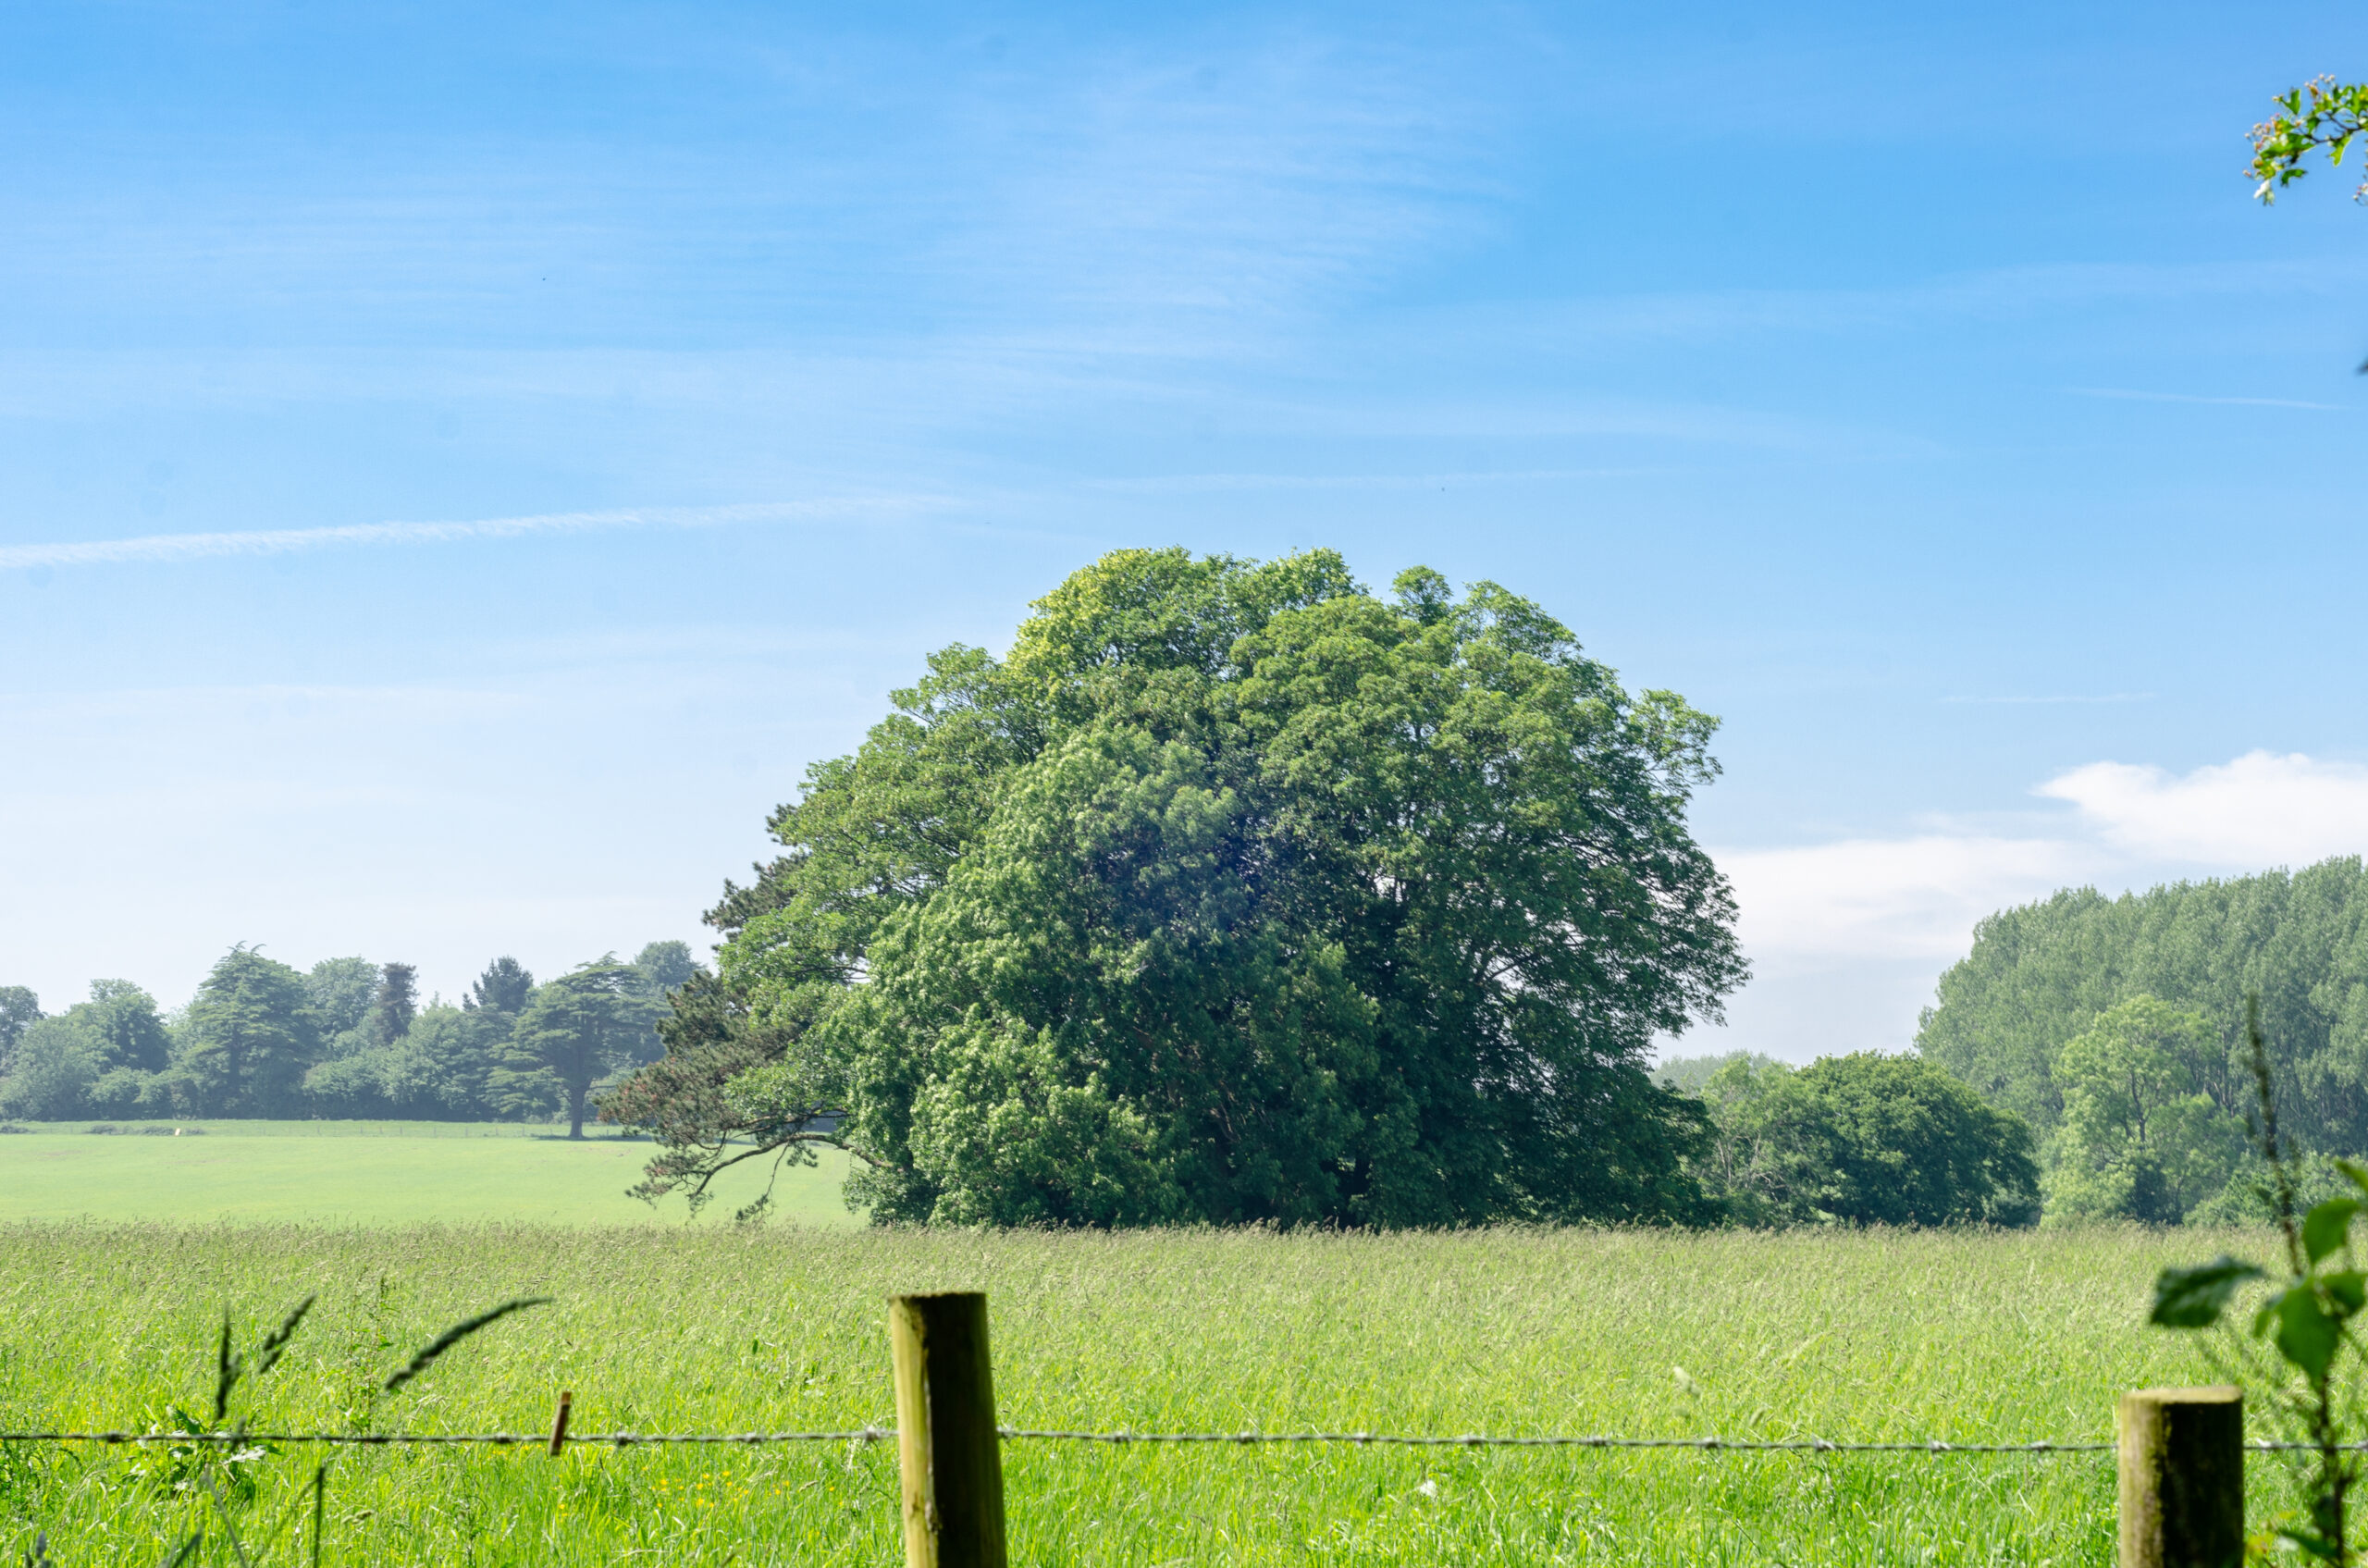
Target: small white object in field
x=1428, y=1489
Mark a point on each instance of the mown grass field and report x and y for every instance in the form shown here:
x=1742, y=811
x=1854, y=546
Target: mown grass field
x=388, y=1172
x=1855, y=1337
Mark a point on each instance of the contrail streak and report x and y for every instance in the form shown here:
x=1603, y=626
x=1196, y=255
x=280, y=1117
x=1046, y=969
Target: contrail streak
x=157, y=547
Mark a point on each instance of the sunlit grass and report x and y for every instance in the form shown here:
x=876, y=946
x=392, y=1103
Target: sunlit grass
x=366, y=1172
x=1964, y=1337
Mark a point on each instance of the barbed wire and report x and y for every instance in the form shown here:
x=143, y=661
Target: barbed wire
x=495, y=1440
x=1475, y=1439
x=867, y=1435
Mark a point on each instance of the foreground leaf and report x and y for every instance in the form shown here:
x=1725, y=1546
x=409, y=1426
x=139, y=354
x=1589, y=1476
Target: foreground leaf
x=2328, y=1226
x=2306, y=1335
x=2194, y=1298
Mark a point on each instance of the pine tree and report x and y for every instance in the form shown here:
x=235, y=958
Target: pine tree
x=395, y=1005
x=503, y=988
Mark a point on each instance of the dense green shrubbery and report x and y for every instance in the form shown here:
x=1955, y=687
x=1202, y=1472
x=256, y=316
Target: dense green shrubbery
x=1861, y=1139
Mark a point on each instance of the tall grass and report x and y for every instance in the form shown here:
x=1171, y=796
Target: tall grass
x=1869, y=1337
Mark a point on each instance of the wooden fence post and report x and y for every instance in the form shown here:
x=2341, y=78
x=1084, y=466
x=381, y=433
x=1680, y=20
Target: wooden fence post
x=947, y=1445
x=2182, y=1461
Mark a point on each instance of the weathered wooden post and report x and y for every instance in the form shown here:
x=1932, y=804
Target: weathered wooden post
x=946, y=1441
x=2182, y=1460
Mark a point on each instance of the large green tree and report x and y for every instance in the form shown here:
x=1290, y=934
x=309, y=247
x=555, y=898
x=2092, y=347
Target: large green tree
x=580, y=1028
x=1234, y=893
x=340, y=989
x=252, y=1033
x=2140, y=1139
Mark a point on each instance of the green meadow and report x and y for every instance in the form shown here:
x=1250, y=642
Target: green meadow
x=366, y=1173
x=1867, y=1336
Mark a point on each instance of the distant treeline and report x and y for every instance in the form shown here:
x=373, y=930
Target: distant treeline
x=347, y=1038
x=2086, y=1060
x=2116, y=1028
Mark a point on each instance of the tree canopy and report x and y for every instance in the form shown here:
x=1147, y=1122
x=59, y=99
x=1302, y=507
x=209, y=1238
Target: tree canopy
x=2140, y=1139
x=2044, y=974
x=1865, y=1138
x=1235, y=892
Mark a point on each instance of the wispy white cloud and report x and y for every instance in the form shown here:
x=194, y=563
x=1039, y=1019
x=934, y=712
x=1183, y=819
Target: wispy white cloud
x=1162, y=484
x=158, y=549
x=2129, y=396
x=2056, y=699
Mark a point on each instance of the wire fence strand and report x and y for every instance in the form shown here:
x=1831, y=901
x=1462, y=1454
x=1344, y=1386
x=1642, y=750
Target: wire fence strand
x=1711, y=1444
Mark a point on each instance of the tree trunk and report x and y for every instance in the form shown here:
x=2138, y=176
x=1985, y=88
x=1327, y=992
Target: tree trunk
x=575, y=1110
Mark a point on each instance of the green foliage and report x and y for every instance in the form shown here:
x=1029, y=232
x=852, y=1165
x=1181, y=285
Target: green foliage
x=19, y=1010
x=100, y=1055
x=1692, y=1075
x=1864, y=1139
x=2139, y=1140
x=340, y=989
x=251, y=1034
x=1235, y=892
x=50, y=1075
x=577, y=1029
x=129, y=1033
x=2321, y=116
x=2041, y=975
x=503, y=988
x=442, y=1067
x=394, y=1004
x=663, y=966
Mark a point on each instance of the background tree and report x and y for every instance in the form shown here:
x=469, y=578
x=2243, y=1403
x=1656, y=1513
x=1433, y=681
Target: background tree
x=441, y=1068
x=251, y=1034
x=580, y=1028
x=394, y=1004
x=129, y=1030
x=51, y=1072
x=663, y=966
x=505, y=987
x=1692, y=1075
x=2042, y=974
x=2140, y=1138
x=1235, y=892
x=340, y=991
x=107, y=1055
x=1865, y=1138
x=19, y=1010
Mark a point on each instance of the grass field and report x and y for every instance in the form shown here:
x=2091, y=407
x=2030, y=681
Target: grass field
x=1859, y=1337
x=366, y=1173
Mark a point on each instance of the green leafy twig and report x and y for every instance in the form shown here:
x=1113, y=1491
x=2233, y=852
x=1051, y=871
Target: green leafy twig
x=2320, y=115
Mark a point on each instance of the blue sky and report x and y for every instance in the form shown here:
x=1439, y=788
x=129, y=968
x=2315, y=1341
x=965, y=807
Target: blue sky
x=456, y=469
